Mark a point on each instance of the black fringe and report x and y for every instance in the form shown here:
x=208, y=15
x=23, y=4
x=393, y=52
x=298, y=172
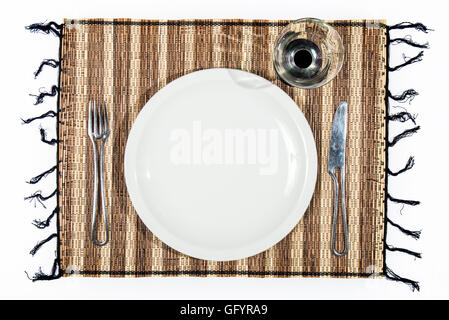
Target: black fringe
x=409, y=202
x=41, y=243
x=42, y=224
x=38, y=197
x=405, y=134
x=402, y=116
x=43, y=133
x=50, y=27
x=407, y=95
x=37, y=178
x=46, y=62
x=40, y=97
x=410, y=42
x=408, y=25
x=56, y=29
x=48, y=114
x=40, y=275
x=414, y=234
x=408, y=166
x=415, y=59
x=412, y=253
x=389, y=274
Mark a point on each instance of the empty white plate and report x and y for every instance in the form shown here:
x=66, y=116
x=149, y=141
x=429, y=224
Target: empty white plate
x=220, y=164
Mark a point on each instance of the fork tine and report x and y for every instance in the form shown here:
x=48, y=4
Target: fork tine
x=105, y=118
x=89, y=119
x=100, y=120
x=95, y=119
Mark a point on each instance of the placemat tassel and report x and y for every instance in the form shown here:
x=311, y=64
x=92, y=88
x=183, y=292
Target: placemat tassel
x=408, y=166
x=40, y=97
x=414, y=234
x=402, y=116
x=404, y=134
x=42, y=224
x=37, y=196
x=43, y=134
x=409, y=202
x=46, y=62
x=407, y=95
x=409, y=41
x=408, y=25
x=403, y=250
x=38, y=178
x=40, y=275
x=50, y=27
x=389, y=274
x=407, y=62
x=48, y=114
x=41, y=243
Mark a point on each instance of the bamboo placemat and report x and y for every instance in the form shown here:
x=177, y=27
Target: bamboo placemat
x=124, y=62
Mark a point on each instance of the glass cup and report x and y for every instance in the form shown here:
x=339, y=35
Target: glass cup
x=308, y=53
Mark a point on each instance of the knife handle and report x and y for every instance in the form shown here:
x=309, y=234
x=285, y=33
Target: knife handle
x=343, y=207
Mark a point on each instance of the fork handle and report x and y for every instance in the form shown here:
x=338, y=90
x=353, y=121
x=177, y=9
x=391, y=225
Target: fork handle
x=99, y=173
x=335, y=218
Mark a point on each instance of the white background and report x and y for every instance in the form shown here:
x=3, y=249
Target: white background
x=23, y=156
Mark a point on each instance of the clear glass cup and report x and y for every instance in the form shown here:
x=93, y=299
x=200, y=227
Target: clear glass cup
x=308, y=53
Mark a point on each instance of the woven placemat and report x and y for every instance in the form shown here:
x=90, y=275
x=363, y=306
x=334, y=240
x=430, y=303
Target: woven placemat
x=125, y=62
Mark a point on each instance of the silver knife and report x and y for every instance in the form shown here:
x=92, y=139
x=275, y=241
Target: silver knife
x=337, y=160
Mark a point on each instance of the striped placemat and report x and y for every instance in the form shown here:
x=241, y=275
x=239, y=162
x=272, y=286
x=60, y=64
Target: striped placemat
x=124, y=62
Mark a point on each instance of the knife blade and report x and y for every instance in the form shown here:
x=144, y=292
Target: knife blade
x=338, y=138
x=337, y=160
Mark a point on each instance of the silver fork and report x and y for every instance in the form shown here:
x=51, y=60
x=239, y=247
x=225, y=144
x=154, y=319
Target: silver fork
x=98, y=130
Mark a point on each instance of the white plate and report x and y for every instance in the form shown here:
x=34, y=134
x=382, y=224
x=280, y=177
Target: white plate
x=220, y=164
